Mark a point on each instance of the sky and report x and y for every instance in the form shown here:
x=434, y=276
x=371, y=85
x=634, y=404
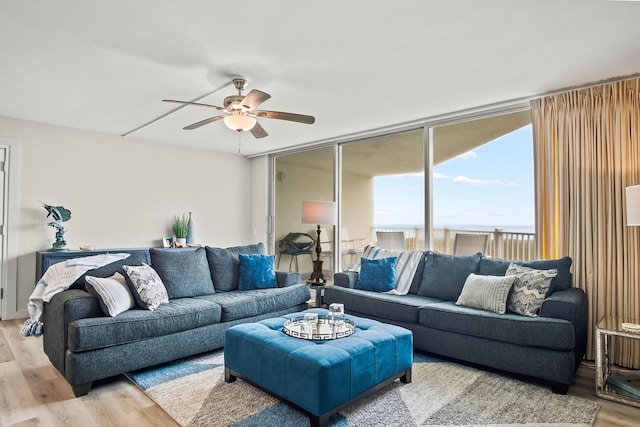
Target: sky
x=490, y=186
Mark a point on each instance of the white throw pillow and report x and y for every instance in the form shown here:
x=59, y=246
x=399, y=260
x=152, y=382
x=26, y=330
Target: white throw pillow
x=486, y=292
x=112, y=293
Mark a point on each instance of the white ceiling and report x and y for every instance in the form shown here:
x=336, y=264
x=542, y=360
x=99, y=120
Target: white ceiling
x=355, y=65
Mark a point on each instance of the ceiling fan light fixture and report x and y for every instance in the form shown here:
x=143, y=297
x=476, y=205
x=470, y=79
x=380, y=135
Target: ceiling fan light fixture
x=239, y=122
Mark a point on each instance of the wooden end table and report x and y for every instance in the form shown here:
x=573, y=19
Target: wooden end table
x=611, y=327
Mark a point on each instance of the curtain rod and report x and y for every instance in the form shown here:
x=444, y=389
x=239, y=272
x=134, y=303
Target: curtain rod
x=587, y=85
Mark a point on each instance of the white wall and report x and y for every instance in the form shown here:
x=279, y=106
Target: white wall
x=122, y=192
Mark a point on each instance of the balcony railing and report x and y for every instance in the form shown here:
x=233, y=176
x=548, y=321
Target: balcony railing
x=502, y=244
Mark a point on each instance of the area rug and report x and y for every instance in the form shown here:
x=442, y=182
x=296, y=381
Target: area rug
x=193, y=392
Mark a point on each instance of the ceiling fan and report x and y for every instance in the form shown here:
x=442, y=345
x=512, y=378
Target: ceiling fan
x=240, y=111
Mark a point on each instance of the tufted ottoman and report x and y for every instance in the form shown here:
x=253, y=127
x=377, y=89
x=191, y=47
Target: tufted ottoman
x=318, y=377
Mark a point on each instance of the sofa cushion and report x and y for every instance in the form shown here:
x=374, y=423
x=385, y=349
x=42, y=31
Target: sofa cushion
x=256, y=272
x=184, y=272
x=377, y=275
x=146, y=286
x=112, y=293
x=397, y=308
x=529, y=290
x=134, y=325
x=109, y=270
x=444, y=275
x=242, y=304
x=564, y=279
x=407, y=264
x=511, y=328
x=225, y=264
x=486, y=292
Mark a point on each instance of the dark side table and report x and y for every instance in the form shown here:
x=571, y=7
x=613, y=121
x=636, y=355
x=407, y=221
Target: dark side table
x=319, y=290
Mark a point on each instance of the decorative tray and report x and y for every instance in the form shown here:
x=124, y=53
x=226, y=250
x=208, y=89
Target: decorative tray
x=323, y=329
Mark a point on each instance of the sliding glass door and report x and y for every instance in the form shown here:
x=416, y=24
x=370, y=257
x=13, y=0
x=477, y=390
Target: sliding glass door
x=307, y=175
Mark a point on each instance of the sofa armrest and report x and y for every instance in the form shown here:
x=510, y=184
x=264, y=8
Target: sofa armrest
x=64, y=308
x=571, y=305
x=287, y=278
x=346, y=279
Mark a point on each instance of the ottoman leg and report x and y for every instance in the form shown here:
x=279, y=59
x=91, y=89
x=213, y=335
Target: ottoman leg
x=228, y=376
x=319, y=421
x=406, y=378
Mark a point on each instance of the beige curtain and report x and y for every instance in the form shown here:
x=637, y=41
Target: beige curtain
x=586, y=151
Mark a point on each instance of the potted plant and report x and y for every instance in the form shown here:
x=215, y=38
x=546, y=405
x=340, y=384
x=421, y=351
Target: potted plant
x=181, y=228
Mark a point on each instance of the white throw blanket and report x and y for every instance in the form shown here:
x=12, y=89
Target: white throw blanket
x=57, y=278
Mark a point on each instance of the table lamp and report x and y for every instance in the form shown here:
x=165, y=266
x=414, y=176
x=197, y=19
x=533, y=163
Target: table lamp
x=318, y=212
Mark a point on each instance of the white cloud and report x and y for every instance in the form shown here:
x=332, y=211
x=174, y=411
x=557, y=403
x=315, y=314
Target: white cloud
x=438, y=175
x=468, y=155
x=472, y=181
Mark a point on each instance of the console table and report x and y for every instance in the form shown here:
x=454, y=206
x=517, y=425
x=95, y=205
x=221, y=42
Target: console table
x=45, y=259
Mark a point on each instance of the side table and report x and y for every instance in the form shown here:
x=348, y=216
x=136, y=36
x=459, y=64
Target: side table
x=318, y=288
x=611, y=327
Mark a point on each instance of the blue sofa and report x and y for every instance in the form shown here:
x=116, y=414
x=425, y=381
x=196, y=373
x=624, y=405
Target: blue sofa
x=548, y=347
x=86, y=345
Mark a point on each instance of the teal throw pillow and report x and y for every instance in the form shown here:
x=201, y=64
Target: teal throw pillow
x=377, y=274
x=256, y=272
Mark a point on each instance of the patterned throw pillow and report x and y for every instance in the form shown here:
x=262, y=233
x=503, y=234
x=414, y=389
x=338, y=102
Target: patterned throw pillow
x=486, y=292
x=406, y=265
x=529, y=290
x=256, y=272
x=146, y=286
x=377, y=274
x=112, y=293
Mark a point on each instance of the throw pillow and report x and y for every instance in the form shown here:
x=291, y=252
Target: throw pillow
x=184, y=272
x=377, y=274
x=108, y=270
x=112, y=293
x=444, y=275
x=225, y=264
x=406, y=265
x=256, y=272
x=564, y=279
x=146, y=286
x=486, y=292
x=529, y=290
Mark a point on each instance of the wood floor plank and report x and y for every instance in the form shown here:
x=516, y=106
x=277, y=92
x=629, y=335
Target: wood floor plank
x=34, y=394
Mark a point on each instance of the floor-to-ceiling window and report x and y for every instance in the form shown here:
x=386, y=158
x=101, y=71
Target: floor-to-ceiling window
x=481, y=183
x=382, y=192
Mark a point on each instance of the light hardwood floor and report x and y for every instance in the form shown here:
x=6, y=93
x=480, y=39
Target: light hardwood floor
x=33, y=393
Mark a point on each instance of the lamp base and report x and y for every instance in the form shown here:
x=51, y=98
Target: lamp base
x=317, y=278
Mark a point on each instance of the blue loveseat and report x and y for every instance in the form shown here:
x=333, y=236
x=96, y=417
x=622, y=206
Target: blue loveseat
x=549, y=346
x=85, y=344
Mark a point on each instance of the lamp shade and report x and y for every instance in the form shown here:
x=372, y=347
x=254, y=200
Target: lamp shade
x=633, y=205
x=318, y=212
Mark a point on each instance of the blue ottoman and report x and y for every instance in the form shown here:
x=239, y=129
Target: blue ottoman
x=318, y=377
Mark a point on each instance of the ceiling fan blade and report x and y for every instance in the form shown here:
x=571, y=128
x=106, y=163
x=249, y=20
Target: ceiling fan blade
x=292, y=117
x=194, y=103
x=255, y=98
x=204, y=122
x=258, y=131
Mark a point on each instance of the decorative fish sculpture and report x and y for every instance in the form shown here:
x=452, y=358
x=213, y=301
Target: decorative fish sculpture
x=59, y=213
